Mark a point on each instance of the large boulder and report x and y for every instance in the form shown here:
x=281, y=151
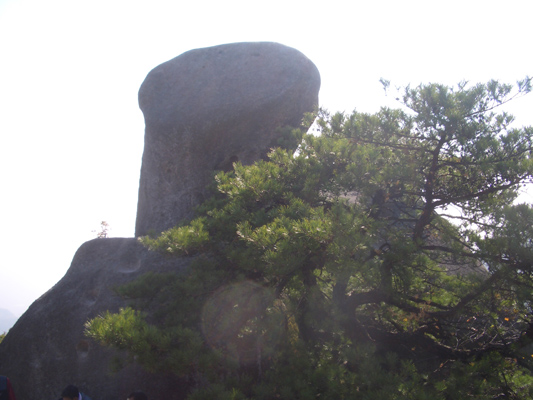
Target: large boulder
x=203, y=110
x=47, y=348
x=210, y=107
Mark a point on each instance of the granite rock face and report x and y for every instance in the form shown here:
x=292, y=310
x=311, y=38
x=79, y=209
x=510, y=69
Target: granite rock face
x=46, y=349
x=210, y=107
x=203, y=110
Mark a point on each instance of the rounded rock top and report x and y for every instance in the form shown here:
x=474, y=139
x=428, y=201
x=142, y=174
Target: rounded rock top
x=210, y=107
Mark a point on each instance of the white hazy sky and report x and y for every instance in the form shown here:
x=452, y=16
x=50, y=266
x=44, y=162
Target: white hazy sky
x=72, y=133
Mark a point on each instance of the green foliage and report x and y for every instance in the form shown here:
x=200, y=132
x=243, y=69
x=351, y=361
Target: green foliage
x=382, y=260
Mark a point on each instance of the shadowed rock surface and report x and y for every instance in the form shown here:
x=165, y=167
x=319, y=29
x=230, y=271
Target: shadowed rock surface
x=203, y=110
x=46, y=349
x=208, y=108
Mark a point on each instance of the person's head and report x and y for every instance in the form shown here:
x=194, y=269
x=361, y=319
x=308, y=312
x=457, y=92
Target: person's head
x=138, y=395
x=71, y=392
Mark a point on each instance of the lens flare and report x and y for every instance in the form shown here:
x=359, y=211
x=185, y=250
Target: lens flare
x=241, y=322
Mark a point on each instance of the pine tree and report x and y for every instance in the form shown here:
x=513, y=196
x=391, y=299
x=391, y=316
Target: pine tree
x=383, y=259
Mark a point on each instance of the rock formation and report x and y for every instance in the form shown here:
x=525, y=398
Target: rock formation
x=208, y=108
x=203, y=110
x=46, y=349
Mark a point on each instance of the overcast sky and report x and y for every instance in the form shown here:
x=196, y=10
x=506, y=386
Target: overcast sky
x=72, y=133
